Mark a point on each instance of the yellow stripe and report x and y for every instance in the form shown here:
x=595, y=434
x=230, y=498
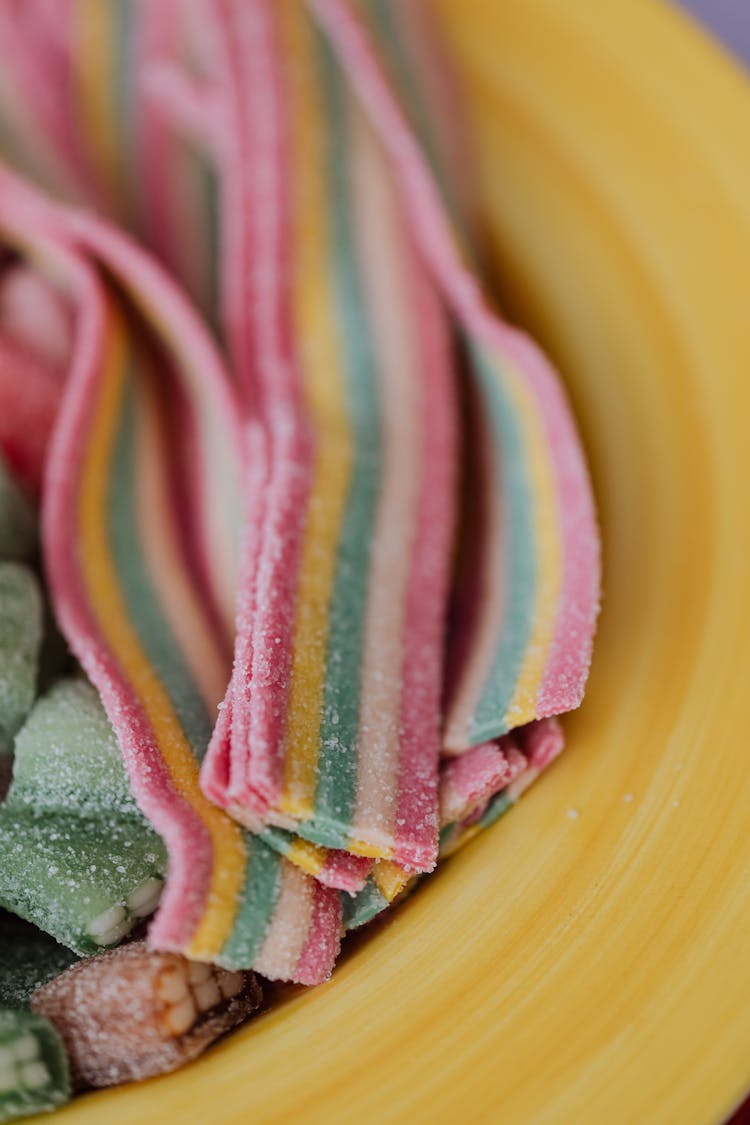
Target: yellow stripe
x=102, y=586
x=325, y=392
x=390, y=879
x=182, y=607
x=539, y=466
x=369, y=851
x=95, y=47
x=309, y=857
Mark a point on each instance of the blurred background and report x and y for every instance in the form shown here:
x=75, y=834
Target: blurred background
x=729, y=19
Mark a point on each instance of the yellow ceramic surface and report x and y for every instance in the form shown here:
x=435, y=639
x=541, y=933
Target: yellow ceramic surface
x=593, y=967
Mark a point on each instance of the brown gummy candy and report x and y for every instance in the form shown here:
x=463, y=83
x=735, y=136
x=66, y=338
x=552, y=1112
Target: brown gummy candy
x=132, y=1013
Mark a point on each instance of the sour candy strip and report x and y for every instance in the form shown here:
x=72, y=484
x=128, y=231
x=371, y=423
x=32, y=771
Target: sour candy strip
x=527, y=655
x=147, y=140
x=226, y=894
x=97, y=131
x=476, y=790
x=335, y=721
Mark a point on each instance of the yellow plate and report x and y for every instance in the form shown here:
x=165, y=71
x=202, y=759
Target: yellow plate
x=589, y=968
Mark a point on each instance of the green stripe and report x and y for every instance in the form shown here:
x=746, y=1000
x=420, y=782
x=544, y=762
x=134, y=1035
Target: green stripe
x=337, y=763
x=262, y=874
x=383, y=19
x=519, y=546
x=122, y=90
x=140, y=599
x=497, y=807
x=210, y=189
x=258, y=897
x=361, y=908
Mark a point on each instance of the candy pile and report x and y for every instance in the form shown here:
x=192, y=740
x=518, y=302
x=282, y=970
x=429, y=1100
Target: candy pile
x=313, y=521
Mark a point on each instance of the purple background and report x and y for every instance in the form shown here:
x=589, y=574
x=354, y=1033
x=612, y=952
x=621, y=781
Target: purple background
x=730, y=19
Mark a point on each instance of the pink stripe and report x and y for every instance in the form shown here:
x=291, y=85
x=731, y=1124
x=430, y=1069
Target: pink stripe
x=571, y=649
x=32, y=221
x=542, y=741
x=345, y=872
x=238, y=693
x=437, y=81
x=323, y=941
x=215, y=767
x=37, y=317
x=187, y=485
x=29, y=398
x=476, y=776
x=31, y=45
x=154, y=293
x=265, y=347
x=158, y=42
x=188, y=842
x=427, y=591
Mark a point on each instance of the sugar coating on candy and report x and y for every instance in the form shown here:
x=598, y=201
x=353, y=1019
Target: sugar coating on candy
x=301, y=938
x=302, y=942
x=79, y=859
x=474, y=777
x=18, y=534
x=34, y=1074
x=477, y=789
x=133, y=1013
x=28, y=959
x=20, y=643
x=528, y=656
x=67, y=758
x=75, y=878
x=335, y=731
x=538, y=745
x=361, y=908
x=542, y=741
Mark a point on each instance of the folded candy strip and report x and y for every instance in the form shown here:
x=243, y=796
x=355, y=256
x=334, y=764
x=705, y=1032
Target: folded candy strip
x=476, y=789
x=228, y=129
x=172, y=115
x=101, y=130
x=137, y=123
x=338, y=662
x=333, y=704
x=143, y=581
x=524, y=651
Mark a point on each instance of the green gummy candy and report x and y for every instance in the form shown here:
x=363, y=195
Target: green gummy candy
x=34, y=1072
x=28, y=959
x=77, y=858
x=67, y=759
x=86, y=883
x=18, y=533
x=21, y=613
x=361, y=908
